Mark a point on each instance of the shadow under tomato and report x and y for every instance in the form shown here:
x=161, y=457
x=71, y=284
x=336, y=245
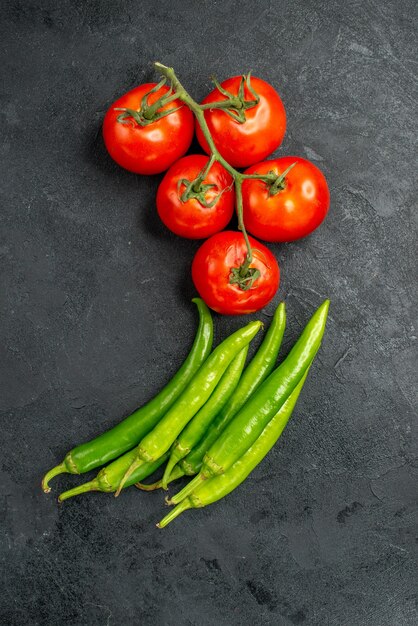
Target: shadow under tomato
x=95, y=150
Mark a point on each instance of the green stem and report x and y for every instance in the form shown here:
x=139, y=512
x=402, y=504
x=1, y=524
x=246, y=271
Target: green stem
x=280, y=182
x=199, y=180
x=222, y=104
x=172, y=462
x=206, y=132
x=185, y=97
x=183, y=506
x=92, y=485
x=234, y=105
x=162, y=102
x=149, y=113
x=187, y=490
x=150, y=487
x=58, y=469
x=177, y=473
x=241, y=226
x=266, y=178
x=137, y=463
x=242, y=276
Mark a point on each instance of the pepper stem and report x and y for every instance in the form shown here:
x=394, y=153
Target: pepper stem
x=58, y=469
x=167, y=472
x=150, y=487
x=92, y=485
x=187, y=490
x=183, y=506
x=177, y=473
x=128, y=473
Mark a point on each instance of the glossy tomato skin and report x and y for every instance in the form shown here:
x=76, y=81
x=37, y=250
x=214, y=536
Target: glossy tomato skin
x=191, y=219
x=152, y=148
x=211, y=269
x=262, y=132
x=293, y=212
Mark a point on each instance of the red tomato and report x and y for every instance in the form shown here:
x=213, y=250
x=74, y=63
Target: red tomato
x=192, y=219
x=292, y=212
x=152, y=148
x=243, y=144
x=211, y=272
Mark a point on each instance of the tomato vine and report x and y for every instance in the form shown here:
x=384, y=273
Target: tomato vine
x=245, y=275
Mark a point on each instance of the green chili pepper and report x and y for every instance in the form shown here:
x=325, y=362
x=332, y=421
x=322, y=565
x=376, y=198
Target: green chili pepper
x=109, y=477
x=250, y=421
x=220, y=486
x=256, y=371
x=131, y=430
x=197, y=426
x=160, y=439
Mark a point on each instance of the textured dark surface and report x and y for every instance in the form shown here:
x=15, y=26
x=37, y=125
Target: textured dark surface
x=96, y=316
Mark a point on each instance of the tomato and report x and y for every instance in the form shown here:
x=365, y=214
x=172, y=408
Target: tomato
x=294, y=211
x=191, y=218
x=211, y=273
x=243, y=144
x=152, y=148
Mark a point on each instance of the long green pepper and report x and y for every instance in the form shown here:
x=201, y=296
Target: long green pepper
x=220, y=486
x=198, y=425
x=132, y=429
x=160, y=439
x=254, y=374
x=250, y=421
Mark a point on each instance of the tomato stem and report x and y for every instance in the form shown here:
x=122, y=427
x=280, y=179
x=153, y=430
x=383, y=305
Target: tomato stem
x=280, y=182
x=244, y=276
x=197, y=183
x=267, y=178
x=240, y=214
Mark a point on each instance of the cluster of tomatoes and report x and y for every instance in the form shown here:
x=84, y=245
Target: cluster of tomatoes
x=148, y=130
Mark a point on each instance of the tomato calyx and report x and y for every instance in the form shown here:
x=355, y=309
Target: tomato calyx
x=235, y=106
x=196, y=189
x=149, y=113
x=244, y=276
x=279, y=182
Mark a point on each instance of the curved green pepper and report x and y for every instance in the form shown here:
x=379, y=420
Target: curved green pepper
x=132, y=429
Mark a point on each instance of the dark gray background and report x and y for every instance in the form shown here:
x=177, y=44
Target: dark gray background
x=96, y=316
